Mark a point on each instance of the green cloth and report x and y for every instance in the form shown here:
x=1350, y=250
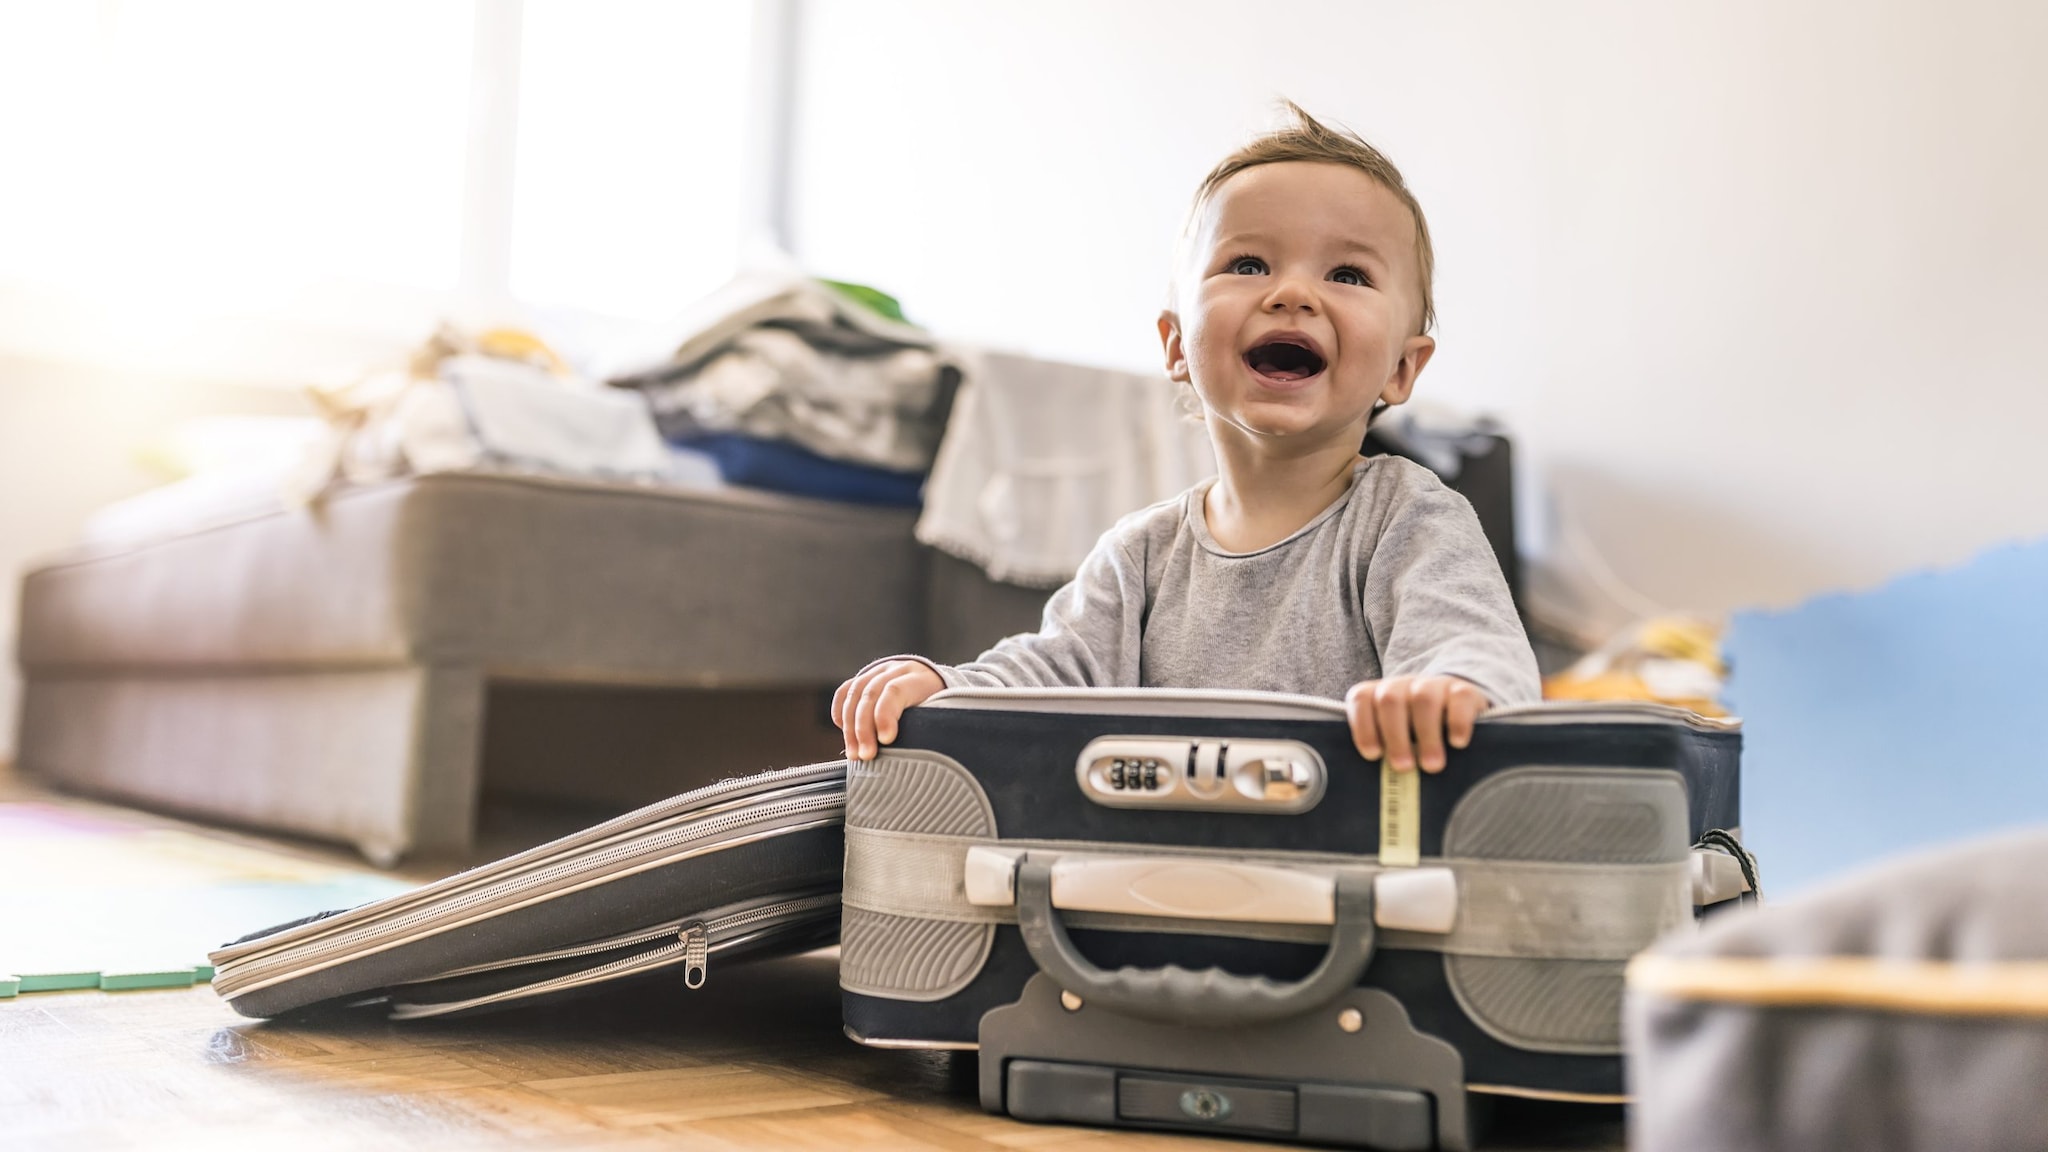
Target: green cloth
x=874, y=299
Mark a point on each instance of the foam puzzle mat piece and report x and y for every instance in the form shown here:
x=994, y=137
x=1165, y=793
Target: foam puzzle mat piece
x=59, y=981
x=1879, y=721
x=134, y=981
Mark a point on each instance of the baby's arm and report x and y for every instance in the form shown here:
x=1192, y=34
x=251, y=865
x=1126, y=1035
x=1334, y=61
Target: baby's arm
x=1089, y=637
x=1450, y=642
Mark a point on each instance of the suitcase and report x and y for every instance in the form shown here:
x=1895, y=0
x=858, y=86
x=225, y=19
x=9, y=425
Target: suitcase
x=745, y=868
x=1198, y=911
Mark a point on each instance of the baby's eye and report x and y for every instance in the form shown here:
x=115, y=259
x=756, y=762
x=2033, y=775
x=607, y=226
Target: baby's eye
x=1248, y=266
x=1348, y=275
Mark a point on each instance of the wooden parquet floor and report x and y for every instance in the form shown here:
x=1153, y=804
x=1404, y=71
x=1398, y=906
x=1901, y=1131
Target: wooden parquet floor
x=753, y=1060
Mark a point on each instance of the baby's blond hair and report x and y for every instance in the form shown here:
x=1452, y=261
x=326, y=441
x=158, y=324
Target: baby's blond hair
x=1309, y=139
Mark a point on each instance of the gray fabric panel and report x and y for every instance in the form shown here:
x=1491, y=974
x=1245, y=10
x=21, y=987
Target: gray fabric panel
x=1505, y=908
x=1583, y=911
x=1559, y=814
x=1737, y=1078
x=1542, y=1005
x=908, y=959
x=898, y=874
x=916, y=791
x=909, y=933
x=1588, y=815
x=906, y=876
x=332, y=755
x=549, y=579
x=1719, y=1074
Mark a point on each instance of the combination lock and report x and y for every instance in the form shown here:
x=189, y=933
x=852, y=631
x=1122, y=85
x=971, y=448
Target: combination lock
x=1277, y=776
x=1136, y=774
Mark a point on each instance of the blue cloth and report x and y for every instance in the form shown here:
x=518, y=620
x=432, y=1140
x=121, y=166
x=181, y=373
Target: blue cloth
x=784, y=467
x=1903, y=716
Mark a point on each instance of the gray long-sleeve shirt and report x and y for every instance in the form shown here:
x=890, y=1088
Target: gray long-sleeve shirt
x=1393, y=579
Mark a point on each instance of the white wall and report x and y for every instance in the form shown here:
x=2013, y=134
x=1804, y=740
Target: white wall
x=1758, y=285
x=71, y=441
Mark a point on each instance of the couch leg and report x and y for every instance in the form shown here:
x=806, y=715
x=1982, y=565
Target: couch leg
x=380, y=853
x=447, y=766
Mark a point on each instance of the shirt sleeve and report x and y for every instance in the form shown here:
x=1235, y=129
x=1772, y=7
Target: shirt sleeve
x=1438, y=605
x=1089, y=638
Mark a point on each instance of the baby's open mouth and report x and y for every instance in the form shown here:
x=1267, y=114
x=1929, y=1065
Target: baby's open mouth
x=1284, y=359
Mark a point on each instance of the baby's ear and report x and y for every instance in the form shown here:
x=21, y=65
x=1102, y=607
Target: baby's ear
x=1169, y=341
x=1414, y=357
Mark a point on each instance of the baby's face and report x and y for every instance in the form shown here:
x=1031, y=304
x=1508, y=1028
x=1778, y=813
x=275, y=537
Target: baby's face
x=1298, y=305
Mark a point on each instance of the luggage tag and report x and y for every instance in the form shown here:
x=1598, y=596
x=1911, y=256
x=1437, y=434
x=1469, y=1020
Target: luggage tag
x=1400, y=817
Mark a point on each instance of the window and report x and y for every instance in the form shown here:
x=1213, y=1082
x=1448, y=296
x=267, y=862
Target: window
x=215, y=171
x=233, y=151
x=631, y=156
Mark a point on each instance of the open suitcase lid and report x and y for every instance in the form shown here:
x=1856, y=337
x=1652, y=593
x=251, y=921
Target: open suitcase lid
x=1291, y=706
x=510, y=912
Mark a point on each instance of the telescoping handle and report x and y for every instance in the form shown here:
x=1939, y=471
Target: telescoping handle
x=1211, y=998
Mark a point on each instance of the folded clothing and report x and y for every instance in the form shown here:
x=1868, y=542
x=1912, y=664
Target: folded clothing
x=783, y=467
x=776, y=355
x=518, y=415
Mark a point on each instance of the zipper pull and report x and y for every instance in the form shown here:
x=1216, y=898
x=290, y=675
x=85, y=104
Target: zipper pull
x=696, y=952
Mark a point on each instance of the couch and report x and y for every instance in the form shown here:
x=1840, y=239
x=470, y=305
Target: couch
x=365, y=670
x=334, y=672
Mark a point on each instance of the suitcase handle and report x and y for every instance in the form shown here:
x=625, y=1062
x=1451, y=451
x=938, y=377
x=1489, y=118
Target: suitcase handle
x=1211, y=998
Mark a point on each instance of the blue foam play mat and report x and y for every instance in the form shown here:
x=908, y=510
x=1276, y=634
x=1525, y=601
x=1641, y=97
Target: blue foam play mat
x=1898, y=717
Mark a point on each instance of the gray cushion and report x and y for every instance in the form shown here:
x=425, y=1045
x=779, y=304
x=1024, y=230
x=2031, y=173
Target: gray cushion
x=1903, y=1007
x=513, y=575
x=325, y=671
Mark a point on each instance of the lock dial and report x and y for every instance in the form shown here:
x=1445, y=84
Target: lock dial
x=1276, y=776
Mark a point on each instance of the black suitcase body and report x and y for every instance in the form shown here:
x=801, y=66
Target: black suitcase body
x=1180, y=983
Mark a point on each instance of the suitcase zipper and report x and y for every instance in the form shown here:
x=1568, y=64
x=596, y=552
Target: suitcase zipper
x=726, y=795
x=696, y=953
x=693, y=944
x=648, y=935
x=259, y=973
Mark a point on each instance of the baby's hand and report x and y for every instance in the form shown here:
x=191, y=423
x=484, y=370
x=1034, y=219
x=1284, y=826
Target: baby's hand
x=1385, y=712
x=866, y=707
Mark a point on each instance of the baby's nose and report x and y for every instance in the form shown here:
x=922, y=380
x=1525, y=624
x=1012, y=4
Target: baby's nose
x=1290, y=294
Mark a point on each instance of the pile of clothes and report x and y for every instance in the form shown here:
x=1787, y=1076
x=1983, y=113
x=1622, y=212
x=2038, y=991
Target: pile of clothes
x=807, y=386
x=821, y=388
x=811, y=387
x=500, y=399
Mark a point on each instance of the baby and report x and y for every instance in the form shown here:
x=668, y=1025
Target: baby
x=1300, y=308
